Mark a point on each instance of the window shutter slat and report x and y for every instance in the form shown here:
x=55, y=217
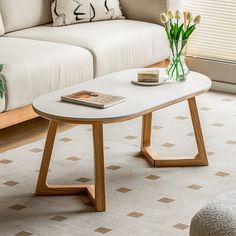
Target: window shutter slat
x=215, y=37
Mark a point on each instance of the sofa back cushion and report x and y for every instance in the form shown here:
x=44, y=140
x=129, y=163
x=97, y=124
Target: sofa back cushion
x=67, y=12
x=2, y=30
x=21, y=14
x=144, y=10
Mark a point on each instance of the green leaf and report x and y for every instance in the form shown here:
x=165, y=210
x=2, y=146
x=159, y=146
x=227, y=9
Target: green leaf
x=190, y=31
x=1, y=89
x=2, y=82
x=175, y=31
x=171, y=24
x=179, y=30
x=167, y=32
x=183, y=34
x=172, y=33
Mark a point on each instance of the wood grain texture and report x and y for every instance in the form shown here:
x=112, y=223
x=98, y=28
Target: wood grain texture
x=26, y=132
x=99, y=167
x=162, y=64
x=202, y=154
x=42, y=187
x=154, y=159
x=16, y=116
x=96, y=193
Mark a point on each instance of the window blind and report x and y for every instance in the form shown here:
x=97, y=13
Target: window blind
x=215, y=37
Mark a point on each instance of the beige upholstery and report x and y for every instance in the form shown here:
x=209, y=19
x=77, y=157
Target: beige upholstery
x=144, y=10
x=116, y=45
x=33, y=68
x=2, y=30
x=2, y=104
x=20, y=14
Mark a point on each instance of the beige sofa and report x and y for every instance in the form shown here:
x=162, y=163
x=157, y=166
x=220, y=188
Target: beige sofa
x=39, y=58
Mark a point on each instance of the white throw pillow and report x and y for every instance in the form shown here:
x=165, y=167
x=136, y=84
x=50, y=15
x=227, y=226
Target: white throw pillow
x=2, y=31
x=67, y=12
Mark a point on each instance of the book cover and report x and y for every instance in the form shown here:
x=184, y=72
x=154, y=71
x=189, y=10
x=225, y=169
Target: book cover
x=93, y=99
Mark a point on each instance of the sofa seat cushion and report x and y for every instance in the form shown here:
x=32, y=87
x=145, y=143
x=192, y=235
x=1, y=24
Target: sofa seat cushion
x=33, y=68
x=116, y=45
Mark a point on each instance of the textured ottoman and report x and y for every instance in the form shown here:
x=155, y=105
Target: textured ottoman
x=217, y=218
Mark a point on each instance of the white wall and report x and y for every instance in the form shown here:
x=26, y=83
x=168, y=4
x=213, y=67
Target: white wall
x=174, y=4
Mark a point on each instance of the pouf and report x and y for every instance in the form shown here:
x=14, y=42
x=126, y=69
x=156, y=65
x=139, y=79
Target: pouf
x=217, y=218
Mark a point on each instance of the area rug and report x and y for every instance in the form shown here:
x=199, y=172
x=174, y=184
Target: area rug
x=141, y=200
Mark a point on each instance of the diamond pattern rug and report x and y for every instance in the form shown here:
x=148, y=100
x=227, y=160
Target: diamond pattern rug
x=141, y=200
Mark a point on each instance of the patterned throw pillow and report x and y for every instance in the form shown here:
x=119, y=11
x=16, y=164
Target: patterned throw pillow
x=67, y=12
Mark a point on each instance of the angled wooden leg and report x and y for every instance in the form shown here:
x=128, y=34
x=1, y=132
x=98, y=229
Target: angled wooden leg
x=100, y=202
x=42, y=186
x=96, y=194
x=199, y=160
x=146, y=137
x=202, y=154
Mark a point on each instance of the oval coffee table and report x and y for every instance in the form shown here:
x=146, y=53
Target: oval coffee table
x=141, y=101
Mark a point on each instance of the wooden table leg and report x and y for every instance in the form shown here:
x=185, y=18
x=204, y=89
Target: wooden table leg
x=96, y=194
x=146, y=137
x=42, y=186
x=202, y=154
x=99, y=167
x=199, y=160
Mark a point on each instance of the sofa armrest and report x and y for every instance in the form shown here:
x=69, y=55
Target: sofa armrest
x=144, y=10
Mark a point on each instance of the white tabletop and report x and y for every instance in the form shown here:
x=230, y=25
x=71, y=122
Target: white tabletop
x=139, y=99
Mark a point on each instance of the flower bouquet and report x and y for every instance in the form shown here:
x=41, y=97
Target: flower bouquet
x=178, y=33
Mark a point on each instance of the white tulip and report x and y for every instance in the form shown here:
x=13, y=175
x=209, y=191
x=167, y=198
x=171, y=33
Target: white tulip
x=177, y=15
x=164, y=18
x=189, y=16
x=197, y=20
x=170, y=14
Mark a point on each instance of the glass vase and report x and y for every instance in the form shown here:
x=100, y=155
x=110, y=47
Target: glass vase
x=177, y=70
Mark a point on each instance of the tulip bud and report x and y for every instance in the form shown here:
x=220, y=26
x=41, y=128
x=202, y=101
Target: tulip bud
x=170, y=14
x=164, y=18
x=177, y=15
x=189, y=16
x=197, y=20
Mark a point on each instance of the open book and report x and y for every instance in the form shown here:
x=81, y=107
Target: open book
x=93, y=99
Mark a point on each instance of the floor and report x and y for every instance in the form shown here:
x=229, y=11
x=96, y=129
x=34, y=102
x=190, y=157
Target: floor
x=26, y=132
x=141, y=200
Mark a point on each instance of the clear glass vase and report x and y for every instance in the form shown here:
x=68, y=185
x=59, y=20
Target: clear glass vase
x=177, y=70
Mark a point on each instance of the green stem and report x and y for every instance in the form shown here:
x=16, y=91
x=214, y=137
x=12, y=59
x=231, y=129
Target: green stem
x=168, y=71
x=188, y=25
x=177, y=72
x=174, y=67
x=182, y=68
